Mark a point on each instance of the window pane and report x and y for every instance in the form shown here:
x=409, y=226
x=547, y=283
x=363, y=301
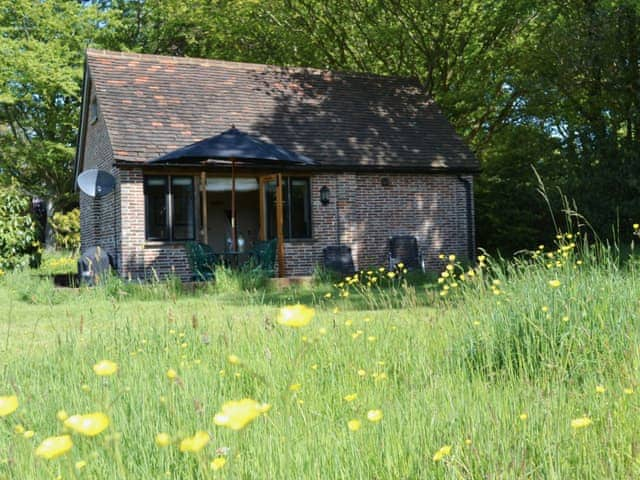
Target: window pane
x=183, y=208
x=299, y=208
x=270, y=209
x=155, y=191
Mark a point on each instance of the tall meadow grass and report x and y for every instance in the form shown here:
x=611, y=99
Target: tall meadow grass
x=481, y=382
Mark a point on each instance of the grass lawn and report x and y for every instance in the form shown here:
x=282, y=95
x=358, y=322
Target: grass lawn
x=481, y=383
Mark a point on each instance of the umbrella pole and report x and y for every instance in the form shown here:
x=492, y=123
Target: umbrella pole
x=234, y=231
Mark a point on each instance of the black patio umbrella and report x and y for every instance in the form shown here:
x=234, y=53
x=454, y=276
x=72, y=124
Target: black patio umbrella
x=233, y=145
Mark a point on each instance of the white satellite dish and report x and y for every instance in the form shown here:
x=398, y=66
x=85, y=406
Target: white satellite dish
x=96, y=183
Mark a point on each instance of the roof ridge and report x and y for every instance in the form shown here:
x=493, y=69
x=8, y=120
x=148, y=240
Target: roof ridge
x=236, y=64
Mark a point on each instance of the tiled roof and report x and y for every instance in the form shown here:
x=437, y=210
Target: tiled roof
x=154, y=104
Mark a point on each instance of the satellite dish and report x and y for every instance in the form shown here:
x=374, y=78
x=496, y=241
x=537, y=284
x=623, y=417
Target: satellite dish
x=96, y=183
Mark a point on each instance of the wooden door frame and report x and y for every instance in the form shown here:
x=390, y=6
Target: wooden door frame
x=263, y=180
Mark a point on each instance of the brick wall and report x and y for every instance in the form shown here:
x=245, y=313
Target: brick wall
x=433, y=208
x=99, y=217
x=362, y=213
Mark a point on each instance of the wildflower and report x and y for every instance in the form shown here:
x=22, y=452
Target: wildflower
x=450, y=268
x=545, y=309
x=351, y=397
x=362, y=373
x=322, y=331
x=400, y=265
x=443, y=452
x=327, y=295
x=628, y=391
x=391, y=275
x=371, y=338
x=8, y=405
x=374, y=415
x=238, y=414
x=354, y=425
x=163, y=439
x=636, y=226
x=348, y=323
x=523, y=416
x=18, y=429
x=468, y=441
x=54, y=447
x=80, y=464
x=295, y=316
x=234, y=360
x=554, y=283
x=172, y=374
x=294, y=387
x=218, y=463
x=452, y=258
x=481, y=258
x=28, y=434
x=496, y=282
x=565, y=318
x=581, y=422
x=441, y=256
x=105, y=368
x=600, y=389
x=196, y=443
x=90, y=424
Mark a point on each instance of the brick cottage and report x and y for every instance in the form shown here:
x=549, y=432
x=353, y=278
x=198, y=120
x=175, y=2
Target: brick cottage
x=384, y=157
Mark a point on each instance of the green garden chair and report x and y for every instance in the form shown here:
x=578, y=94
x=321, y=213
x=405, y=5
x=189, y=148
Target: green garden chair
x=202, y=260
x=263, y=255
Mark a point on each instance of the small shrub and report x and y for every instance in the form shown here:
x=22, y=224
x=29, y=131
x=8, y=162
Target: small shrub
x=19, y=245
x=66, y=229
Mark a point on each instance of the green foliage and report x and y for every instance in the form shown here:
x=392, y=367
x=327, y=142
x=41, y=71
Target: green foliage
x=66, y=229
x=553, y=84
x=19, y=245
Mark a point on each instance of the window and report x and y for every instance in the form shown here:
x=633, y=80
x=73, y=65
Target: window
x=169, y=208
x=296, y=208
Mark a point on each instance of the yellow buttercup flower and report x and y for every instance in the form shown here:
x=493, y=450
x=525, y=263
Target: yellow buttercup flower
x=105, y=368
x=295, y=316
x=80, y=464
x=523, y=416
x=452, y=258
x=172, y=374
x=351, y=397
x=90, y=424
x=163, y=439
x=354, y=425
x=441, y=453
x=8, y=405
x=234, y=360
x=62, y=415
x=18, y=429
x=294, y=387
x=238, y=414
x=374, y=415
x=600, y=389
x=54, y=447
x=636, y=226
x=29, y=434
x=391, y=275
x=196, y=443
x=554, y=283
x=581, y=422
x=218, y=463
x=628, y=391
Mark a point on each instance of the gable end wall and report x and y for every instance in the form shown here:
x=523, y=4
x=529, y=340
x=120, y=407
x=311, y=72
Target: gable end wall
x=100, y=217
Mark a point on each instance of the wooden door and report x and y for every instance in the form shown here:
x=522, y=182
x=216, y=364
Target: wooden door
x=267, y=184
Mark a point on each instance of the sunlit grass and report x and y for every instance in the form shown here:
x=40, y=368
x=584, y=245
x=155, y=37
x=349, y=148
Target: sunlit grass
x=537, y=381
